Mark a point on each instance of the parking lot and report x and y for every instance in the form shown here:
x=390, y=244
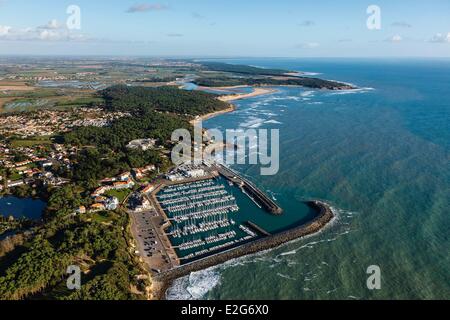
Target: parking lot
x=152, y=245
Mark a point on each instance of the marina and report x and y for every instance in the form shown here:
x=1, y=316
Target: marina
x=193, y=218
x=197, y=221
x=204, y=218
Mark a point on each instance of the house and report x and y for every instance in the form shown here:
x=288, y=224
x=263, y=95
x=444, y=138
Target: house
x=142, y=144
x=21, y=169
x=125, y=176
x=141, y=172
x=112, y=203
x=22, y=163
x=123, y=184
x=148, y=189
x=97, y=207
x=143, y=205
x=46, y=164
x=139, y=203
x=16, y=183
x=81, y=210
x=99, y=191
x=99, y=199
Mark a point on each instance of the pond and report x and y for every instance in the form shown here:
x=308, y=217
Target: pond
x=22, y=207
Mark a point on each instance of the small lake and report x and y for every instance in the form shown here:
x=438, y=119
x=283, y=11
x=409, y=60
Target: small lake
x=20, y=208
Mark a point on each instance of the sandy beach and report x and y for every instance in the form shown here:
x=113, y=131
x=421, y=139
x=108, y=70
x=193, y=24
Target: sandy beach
x=224, y=89
x=256, y=92
x=233, y=97
x=194, y=122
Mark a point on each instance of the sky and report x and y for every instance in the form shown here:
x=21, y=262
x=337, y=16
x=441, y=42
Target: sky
x=219, y=28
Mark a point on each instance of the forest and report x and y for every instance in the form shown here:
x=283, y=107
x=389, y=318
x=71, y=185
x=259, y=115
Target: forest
x=34, y=267
x=242, y=69
x=162, y=99
x=314, y=83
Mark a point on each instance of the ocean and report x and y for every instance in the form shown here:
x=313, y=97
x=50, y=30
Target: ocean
x=379, y=155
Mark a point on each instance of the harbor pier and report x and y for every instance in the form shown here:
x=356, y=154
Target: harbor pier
x=248, y=187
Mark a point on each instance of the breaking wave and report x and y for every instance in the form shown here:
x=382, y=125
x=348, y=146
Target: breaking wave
x=195, y=286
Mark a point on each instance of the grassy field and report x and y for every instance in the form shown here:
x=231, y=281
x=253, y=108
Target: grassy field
x=30, y=142
x=10, y=85
x=14, y=176
x=104, y=217
x=4, y=101
x=22, y=100
x=119, y=194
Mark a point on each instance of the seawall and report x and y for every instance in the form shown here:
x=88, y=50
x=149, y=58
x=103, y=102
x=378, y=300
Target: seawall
x=259, y=196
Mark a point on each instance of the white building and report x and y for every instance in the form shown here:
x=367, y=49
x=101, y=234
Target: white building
x=112, y=203
x=195, y=173
x=142, y=144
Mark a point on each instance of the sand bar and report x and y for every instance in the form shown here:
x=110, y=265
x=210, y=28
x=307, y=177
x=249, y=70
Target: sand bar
x=256, y=92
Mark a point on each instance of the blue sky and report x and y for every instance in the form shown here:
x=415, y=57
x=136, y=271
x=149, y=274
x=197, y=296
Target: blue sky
x=281, y=28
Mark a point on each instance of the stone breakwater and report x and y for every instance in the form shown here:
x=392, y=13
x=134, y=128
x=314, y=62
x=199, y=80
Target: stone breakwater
x=324, y=216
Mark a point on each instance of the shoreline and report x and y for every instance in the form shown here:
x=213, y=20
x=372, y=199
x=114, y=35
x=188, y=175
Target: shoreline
x=325, y=215
x=207, y=116
x=162, y=282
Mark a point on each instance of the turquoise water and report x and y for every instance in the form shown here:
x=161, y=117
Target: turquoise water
x=248, y=211
x=380, y=156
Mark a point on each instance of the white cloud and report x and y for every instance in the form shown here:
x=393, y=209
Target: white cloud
x=145, y=7
x=4, y=30
x=401, y=24
x=395, y=39
x=52, y=31
x=175, y=35
x=307, y=23
x=198, y=16
x=308, y=45
x=441, y=38
x=52, y=25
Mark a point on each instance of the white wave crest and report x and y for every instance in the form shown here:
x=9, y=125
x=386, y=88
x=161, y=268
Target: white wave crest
x=285, y=276
x=273, y=122
x=353, y=91
x=195, y=286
